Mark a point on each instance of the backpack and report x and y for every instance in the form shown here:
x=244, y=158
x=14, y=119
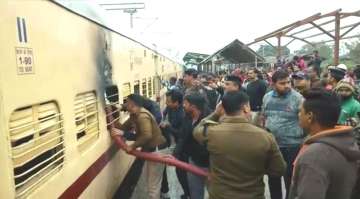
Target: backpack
x=154, y=109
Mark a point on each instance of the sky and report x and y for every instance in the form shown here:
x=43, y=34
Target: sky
x=205, y=26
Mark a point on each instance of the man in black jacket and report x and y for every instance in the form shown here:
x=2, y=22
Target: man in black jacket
x=256, y=90
x=196, y=110
x=171, y=127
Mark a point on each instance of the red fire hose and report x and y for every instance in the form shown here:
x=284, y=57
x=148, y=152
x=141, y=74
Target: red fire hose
x=154, y=157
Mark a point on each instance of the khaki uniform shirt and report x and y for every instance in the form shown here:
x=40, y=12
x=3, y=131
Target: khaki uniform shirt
x=148, y=133
x=240, y=155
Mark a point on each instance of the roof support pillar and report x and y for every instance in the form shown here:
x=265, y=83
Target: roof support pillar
x=279, y=46
x=337, y=39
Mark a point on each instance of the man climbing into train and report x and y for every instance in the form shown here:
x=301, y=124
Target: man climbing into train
x=149, y=137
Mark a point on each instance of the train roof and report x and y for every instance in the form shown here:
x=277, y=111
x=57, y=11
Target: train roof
x=90, y=12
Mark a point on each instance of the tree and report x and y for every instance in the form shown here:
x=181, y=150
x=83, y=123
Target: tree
x=305, y=50
x=269, y=51
x=354, y=51
x=325, y=50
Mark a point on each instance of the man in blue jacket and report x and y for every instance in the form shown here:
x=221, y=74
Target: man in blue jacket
x=280, y=110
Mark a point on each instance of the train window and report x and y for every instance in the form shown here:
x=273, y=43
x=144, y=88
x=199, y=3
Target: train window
x=86, y=118
x=144, y=53
x=37, y=145
x=131, y=65
x=137, y=87
x=149, y=88
x=143, y=87
x=162, y=68
x=112, y=102
x=154, y=84
x=112, y=94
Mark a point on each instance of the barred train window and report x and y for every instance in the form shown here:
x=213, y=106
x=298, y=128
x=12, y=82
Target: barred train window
x=86, y=118
x=154, y=85
x=37, y=145
x=112, y=101
x=137, y=87
x=143, y=86
x=149, y=88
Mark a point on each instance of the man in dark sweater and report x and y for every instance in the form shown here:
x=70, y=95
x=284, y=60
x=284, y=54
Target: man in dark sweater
x=256, y=90
x=326, y=166
x=171, y=128
x=196, y=110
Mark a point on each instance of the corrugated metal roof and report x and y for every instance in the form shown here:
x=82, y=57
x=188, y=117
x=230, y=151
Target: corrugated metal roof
x=238, y=52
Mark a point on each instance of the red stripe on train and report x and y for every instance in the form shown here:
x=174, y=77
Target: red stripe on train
x=75, y=190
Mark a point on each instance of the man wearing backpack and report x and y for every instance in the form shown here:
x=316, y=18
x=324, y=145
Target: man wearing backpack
x=153, y=108
x=327, y=164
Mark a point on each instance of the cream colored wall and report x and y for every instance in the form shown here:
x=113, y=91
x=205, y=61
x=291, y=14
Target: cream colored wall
x=66, y=49
x=64, y=55
x=6, y=179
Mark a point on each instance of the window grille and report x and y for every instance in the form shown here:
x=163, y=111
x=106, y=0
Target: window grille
x=150, y=88
x=112, y=101
x=143, y=86
x=37, y=145
x=137, y=87
x=154, y=85
x=86, y=118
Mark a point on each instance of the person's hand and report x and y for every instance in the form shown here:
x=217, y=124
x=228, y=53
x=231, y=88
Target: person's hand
x=122, y=107
x=130, y=148
x=120, y=133
x=196, y=82
x=164, y=124
x=219, y=110
x=213, y=85
x=351, y=122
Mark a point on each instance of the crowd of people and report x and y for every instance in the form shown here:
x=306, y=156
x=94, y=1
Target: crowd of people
x=291, y=121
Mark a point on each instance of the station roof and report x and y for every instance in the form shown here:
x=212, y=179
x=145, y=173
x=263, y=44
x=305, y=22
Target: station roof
x=195, y=58
x=236, y=52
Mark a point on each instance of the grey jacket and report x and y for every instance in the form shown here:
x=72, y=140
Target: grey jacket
x=326, y=167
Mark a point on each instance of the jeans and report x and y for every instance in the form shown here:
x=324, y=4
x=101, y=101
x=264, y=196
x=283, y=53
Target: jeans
x=196, y=184
x=289, y=154
x=182, y=176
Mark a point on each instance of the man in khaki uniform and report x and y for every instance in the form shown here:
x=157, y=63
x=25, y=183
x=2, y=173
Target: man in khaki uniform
x=240, y=153
x=148, y=136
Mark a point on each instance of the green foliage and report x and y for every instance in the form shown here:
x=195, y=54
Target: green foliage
x=305, y=50
x=269, y=51
x=354, y=51
x=325, y=50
